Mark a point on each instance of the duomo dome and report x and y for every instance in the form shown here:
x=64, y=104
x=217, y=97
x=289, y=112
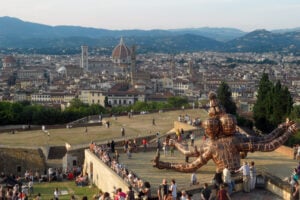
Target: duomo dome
x=121, y=54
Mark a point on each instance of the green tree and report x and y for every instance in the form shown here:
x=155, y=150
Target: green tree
x=76, y=103
x=295, y=114
x=224, y=97
x=106, y=102
x=177, y=102
x=273, y=105
x=261, y=108
x=282, y=103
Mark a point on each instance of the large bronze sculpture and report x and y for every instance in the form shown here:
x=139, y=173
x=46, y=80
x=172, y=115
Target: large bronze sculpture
x=225, y=144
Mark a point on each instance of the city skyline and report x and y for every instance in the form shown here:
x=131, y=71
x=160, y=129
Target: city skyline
x=167, y=14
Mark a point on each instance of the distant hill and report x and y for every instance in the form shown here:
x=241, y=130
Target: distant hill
x=15, y=33
x=219, y=34
x=264, y=41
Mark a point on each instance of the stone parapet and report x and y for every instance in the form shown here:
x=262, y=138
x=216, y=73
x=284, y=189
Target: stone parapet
x=102, y=175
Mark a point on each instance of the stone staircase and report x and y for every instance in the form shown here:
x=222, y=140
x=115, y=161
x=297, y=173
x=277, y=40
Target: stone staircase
x=56, y=152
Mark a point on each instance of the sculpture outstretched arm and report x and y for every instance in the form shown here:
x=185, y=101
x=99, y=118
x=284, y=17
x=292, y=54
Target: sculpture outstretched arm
x=270, y=145
x=184, y=149
x=183, y=167
x=269, y=137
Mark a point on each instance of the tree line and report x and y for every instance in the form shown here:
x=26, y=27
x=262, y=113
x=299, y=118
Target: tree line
x=27, y=113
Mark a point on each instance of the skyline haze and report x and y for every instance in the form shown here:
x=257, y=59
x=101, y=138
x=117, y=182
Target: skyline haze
x=246, y=15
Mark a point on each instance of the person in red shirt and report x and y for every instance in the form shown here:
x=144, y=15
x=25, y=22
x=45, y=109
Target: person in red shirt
x=144, y=142
x=223, y=194
x=120, y=195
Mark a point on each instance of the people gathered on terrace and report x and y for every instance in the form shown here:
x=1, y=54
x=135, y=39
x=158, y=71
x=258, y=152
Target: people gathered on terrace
x=111, y=159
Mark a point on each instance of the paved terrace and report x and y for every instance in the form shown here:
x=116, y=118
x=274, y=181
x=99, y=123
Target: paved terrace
x=273, y=162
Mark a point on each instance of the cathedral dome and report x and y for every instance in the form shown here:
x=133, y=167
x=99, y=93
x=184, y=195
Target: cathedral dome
x=121, y=53
x=9, y=61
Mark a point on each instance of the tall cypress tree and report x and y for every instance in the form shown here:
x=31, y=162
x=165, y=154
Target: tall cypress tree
x=261, y=108
x=274, y=103
x=224, y=97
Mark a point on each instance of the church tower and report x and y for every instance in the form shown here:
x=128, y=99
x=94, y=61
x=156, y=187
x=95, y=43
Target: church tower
x=172, y=68
x=84, y=63
x=133, y=65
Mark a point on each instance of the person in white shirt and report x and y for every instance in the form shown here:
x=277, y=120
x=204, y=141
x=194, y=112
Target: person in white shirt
x=183, y=195
x=194, y=180
x=246, y=176
x=192, y=136
x=56, y=194
x=227, y=179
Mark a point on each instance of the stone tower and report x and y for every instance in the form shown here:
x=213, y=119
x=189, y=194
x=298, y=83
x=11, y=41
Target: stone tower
x=84, y=63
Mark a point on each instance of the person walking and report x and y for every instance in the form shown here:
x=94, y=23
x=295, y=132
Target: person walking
x=245, y=169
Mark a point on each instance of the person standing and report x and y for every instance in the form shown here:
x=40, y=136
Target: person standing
x=246, y=176
x=194, y=180
x=163, y=190
x=173, y=189
x=130, y=193
x=298, y=153
x=144, y=142
x=122, y=131
x=206, y=193
x=295, y=150
x=158, y=144
x=252, y=175
x=223, y=194
x=227, y=179
x=192, y=136
x=112, y=146
x=218, y=178
x=184, y=195
x=30, y=186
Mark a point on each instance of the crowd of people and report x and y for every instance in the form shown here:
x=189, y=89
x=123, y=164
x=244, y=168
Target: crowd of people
x=187, y=119
x=105, y=153
x=17, y=187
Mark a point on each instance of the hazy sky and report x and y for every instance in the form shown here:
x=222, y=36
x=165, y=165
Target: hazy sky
x=157, y=14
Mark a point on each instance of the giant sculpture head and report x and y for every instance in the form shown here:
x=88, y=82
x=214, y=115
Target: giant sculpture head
x=215, y=109
x=220, y=123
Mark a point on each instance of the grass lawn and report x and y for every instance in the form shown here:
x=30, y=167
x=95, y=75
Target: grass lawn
x=47, y=189
x=135, y=126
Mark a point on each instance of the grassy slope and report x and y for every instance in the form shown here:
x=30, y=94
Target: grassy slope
x=138, y=125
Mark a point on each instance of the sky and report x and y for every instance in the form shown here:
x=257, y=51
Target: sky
x=246, y=15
